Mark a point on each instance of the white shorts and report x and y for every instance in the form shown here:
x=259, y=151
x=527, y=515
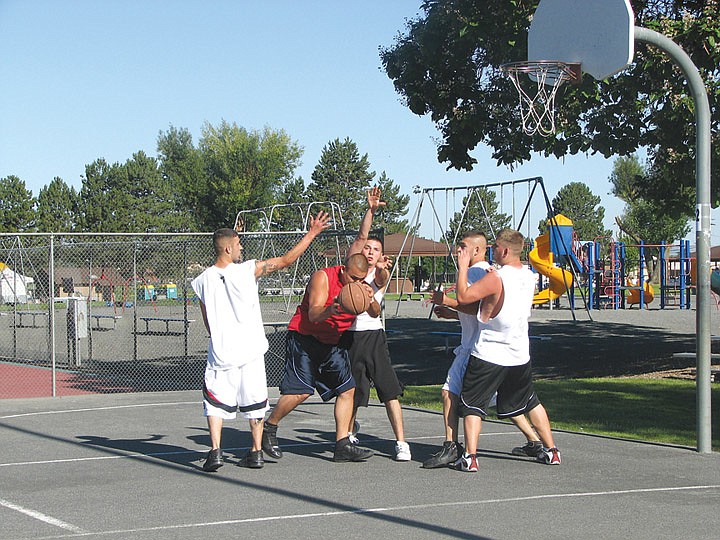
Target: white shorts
x=242, y=389
x=454, y=380
x=456, y=373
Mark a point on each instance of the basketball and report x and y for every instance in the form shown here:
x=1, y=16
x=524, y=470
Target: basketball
x=353, y=298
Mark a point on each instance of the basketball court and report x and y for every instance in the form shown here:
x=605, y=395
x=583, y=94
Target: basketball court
x=129, y=466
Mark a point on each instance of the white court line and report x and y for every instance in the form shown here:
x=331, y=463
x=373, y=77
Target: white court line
x=388, y=509
x=42, y=517
x=109, y=408
x=201, y=452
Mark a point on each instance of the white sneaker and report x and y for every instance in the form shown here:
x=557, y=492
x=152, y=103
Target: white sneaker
x=402, y=451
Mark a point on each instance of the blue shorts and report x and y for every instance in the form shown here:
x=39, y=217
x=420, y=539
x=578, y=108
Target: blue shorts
x=311, y=365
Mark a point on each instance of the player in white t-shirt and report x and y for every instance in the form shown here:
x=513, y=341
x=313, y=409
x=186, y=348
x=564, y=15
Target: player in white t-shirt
x=366, y=340
x=500, y=359
x=235, y=377
x=449, y=308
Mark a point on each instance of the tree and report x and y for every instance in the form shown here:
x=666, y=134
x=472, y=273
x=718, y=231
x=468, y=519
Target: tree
x=342, y=176
x=181, y=164
x=243, y=170
x=446, y=65
x=643, y=220
x=390, y=216
x=130, y=197
x=481, y=214
x=16, y=206
x=57, y=207
x=577, y=202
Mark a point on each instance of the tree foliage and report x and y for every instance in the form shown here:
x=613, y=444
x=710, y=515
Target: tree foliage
x=244, y=169
x=16, y=206
x=57, y=207
x=390, y=217
x=577, y=202
x=129, y=197
x=181, y=164
x=231, y=169
x=342, y=176
x=643, y=219
x=446, y=64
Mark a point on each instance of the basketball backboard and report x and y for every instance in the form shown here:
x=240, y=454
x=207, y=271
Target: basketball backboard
x=598, y=34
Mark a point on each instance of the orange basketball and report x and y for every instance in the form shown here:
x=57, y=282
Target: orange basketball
x=353, y=298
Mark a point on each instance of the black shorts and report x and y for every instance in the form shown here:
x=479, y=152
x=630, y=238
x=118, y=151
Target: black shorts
x=514, y=387
x=370, y=361
x=311, y=365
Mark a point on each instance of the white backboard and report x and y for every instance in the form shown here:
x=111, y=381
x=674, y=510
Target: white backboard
x=598, y=34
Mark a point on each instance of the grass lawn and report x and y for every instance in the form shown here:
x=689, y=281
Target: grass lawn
x=658, y=410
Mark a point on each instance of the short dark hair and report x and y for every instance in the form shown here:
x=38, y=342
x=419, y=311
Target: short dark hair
x=357, y=261
x=220, y=238
x=473, y=233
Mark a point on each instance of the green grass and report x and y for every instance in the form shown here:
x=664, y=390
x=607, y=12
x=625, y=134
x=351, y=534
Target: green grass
x=657, y=410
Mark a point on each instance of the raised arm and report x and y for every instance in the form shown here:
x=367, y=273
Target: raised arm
x=317, y=225
x=489, y=286
x=374, y=203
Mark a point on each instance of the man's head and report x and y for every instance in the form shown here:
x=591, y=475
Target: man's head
x=476, y=242
x=226, y=244
x=508, y=246
x=373, y=250
x=354, y=269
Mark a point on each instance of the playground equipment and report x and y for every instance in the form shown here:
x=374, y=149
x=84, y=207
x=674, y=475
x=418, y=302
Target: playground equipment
x=550, y=249
x=634, y=293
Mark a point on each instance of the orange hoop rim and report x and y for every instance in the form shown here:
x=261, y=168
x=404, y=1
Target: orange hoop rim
x=556, y=70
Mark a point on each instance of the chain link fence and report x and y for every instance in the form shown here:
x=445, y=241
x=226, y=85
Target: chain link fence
x=116, y=313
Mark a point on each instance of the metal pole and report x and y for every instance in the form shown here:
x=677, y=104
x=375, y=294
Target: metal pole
x=51, y=314
x=702, y=223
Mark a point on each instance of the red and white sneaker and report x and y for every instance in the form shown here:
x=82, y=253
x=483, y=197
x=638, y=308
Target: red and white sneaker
x=549, y=456
x=467, y=463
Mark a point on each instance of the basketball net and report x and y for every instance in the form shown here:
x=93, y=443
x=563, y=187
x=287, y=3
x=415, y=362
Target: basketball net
x=537, y=101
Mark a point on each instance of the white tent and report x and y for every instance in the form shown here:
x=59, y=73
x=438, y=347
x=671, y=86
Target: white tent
x=14, y=286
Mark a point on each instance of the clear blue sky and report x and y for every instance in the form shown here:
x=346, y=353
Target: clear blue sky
x=89, y=79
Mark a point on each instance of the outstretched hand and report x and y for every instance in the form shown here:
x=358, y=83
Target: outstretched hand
x=384, y=263
x=319, y=223
x=373, y=197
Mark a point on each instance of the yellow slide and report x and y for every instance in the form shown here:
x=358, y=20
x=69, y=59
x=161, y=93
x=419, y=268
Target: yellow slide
x=541, y=259
x=634, y=294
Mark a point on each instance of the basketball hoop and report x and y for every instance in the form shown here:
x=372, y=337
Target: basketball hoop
x=537, y=109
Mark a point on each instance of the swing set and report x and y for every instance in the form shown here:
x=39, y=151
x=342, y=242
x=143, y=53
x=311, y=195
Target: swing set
x=509, y=198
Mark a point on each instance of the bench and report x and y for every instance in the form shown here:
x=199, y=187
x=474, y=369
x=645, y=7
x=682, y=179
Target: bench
x=276, y=326
x=113, y=318
x=167, y=321
x=418, y=295
x=34, y=314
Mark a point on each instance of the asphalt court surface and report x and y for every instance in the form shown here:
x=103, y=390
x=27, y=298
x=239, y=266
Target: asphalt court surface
x=128, y=466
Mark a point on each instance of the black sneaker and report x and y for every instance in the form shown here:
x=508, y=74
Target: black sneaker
x=270, y=443
x=531, y=449
x=448, y=455
x=252, y=460
x=346, y=451
x=214, y=460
